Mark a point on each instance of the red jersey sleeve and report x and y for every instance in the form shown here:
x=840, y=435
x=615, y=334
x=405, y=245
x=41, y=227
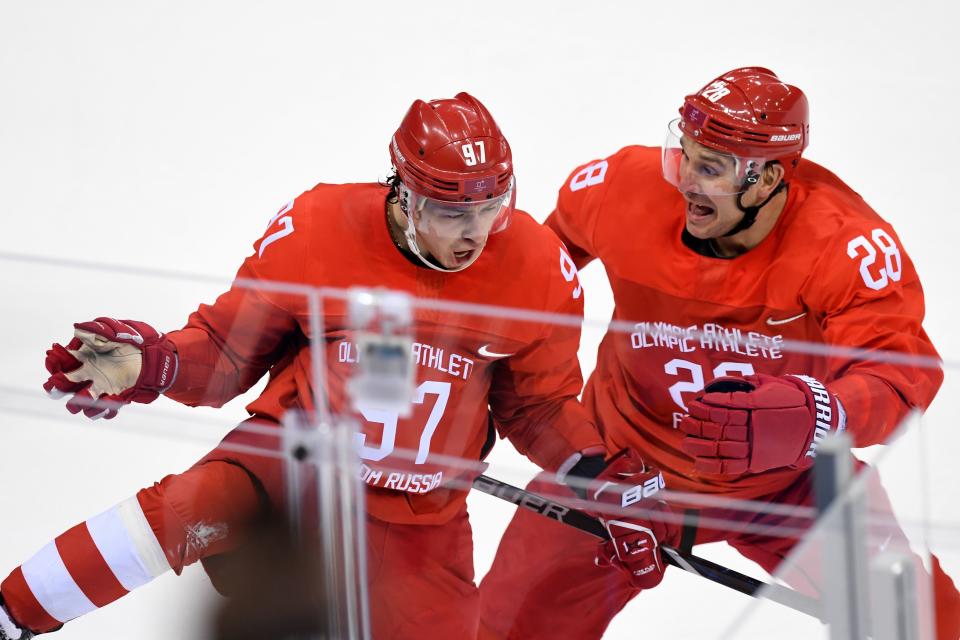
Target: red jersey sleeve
x=872, y=300
x=575, y=216
x=227, y=346
x=533, y=395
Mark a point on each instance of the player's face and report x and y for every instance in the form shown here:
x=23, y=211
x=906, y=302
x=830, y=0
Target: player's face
x=454, y=234
x=711, y=182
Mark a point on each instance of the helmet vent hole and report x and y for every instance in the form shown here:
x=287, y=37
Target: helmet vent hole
x=421, y=151
x=763, y=116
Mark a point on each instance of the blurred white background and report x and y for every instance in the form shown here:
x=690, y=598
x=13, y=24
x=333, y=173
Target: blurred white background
x=165, y=135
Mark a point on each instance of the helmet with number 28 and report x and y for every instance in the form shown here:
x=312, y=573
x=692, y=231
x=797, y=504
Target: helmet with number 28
x=456, y=177
x=748, y=114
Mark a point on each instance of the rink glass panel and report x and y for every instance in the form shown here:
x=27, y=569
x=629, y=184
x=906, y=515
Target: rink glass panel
x=63, y=468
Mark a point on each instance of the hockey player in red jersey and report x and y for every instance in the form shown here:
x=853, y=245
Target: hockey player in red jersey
x=719, y=247
x=443, y=227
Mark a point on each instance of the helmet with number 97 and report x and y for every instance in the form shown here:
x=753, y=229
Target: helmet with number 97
x=452, y=150
x=455, y=170
x=747, y=113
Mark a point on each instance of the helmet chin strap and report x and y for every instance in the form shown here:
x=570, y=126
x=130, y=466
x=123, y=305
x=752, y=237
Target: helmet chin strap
x=750, y=213
x=411, y=235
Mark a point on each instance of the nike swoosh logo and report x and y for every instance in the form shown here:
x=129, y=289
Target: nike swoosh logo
x=884, y=544
x=486, y=353
x=771, y=321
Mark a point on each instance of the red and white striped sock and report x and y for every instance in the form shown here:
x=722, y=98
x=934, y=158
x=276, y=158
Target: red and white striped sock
x=181, y=519
x=86, y=567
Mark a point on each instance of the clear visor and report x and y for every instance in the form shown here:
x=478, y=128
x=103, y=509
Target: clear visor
x=694, y=168
x=451, y=221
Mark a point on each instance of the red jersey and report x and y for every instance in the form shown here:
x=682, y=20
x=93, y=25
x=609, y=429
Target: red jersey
x=337, y=236
x=830, y=272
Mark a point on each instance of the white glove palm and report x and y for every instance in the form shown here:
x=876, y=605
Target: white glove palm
x=111, y=367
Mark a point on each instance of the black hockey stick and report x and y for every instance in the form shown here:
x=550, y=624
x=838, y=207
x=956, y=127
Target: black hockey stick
x=696, y=565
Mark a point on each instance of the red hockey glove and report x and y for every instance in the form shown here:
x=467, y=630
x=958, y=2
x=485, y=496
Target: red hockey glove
x=637, y=520
x=109, y=363
x=757, y=423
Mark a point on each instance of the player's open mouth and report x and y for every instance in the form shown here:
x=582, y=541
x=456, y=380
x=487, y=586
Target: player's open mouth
x=462, y=256
x=699, y=212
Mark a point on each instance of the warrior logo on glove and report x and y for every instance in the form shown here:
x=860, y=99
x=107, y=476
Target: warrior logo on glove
x=110, y=363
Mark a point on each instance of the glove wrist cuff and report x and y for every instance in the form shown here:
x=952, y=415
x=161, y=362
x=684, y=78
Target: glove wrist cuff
x=827, y=411
x=159, y=368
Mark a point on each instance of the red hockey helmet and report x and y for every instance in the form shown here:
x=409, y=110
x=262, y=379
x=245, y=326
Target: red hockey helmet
x=749, y=113
x=452, y=150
